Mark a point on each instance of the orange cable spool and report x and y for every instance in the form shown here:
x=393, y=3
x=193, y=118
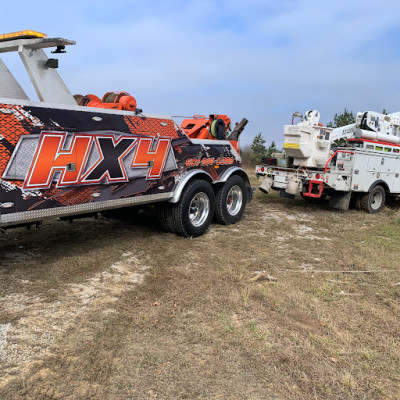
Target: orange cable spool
x=113, y=100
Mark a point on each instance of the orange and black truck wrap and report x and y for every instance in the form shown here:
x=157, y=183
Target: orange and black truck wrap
x=66, y=159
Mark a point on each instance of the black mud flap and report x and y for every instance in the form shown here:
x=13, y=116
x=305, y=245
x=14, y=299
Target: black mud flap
x=250, y=194
x=282, y=193
x=340, y=200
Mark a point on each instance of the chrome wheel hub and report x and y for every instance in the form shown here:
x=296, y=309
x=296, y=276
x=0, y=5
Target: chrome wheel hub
x=234, y=200
x=199, y=209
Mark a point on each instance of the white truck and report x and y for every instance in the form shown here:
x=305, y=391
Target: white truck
x=358, y=162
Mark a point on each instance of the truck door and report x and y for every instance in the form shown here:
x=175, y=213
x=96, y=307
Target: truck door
x=380, y=167
x=359, y=175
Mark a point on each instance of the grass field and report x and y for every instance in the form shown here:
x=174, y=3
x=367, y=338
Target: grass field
x=296, y=301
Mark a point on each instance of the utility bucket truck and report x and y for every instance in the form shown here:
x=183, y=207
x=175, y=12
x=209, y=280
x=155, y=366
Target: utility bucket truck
x=359, y=162
x=75, y=156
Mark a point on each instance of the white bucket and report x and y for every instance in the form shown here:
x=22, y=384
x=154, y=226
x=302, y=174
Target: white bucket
x=293, y=186
x=266, y=184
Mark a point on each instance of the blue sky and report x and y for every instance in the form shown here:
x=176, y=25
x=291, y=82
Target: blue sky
x=261, y=60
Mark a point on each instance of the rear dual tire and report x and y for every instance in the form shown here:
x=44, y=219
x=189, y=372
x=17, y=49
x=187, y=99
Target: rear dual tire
x=230, y=201
x=165, y=217
x=373, y=201
x=192, y=215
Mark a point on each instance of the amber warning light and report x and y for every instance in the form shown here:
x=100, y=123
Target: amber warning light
x=28, y=34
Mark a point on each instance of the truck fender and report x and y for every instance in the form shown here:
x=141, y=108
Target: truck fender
x=379, y=182
x=185, y=179
x=225, y=176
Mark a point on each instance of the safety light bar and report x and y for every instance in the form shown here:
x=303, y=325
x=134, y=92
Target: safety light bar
x=27, y=34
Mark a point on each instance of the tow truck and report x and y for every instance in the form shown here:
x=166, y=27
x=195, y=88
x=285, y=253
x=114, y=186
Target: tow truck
x=73, y=156
x=359, y=162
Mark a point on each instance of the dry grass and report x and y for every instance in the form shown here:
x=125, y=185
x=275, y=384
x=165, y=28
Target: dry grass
x=104, y=309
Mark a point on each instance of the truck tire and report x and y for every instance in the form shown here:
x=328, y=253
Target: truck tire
x=165, y=217
x=230, y=201
x=218, y=129
x=193, y=214
x=373, y=201
x=356, y=200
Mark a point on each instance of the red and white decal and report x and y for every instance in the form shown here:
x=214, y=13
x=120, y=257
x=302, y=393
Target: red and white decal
x=49, y=158
x=143, y=156
x=94, y=159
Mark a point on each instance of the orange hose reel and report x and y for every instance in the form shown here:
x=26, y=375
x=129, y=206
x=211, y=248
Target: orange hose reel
x=113, y=100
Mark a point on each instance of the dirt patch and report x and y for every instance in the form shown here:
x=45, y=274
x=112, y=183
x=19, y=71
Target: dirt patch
x=37, y=324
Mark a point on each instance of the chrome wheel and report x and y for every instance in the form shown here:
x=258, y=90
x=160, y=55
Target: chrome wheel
x=234, y=200
x=199, y=209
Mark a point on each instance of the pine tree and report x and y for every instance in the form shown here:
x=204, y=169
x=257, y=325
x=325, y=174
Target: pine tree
x=346, y=118
x=271, y=149
x=258, y=146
